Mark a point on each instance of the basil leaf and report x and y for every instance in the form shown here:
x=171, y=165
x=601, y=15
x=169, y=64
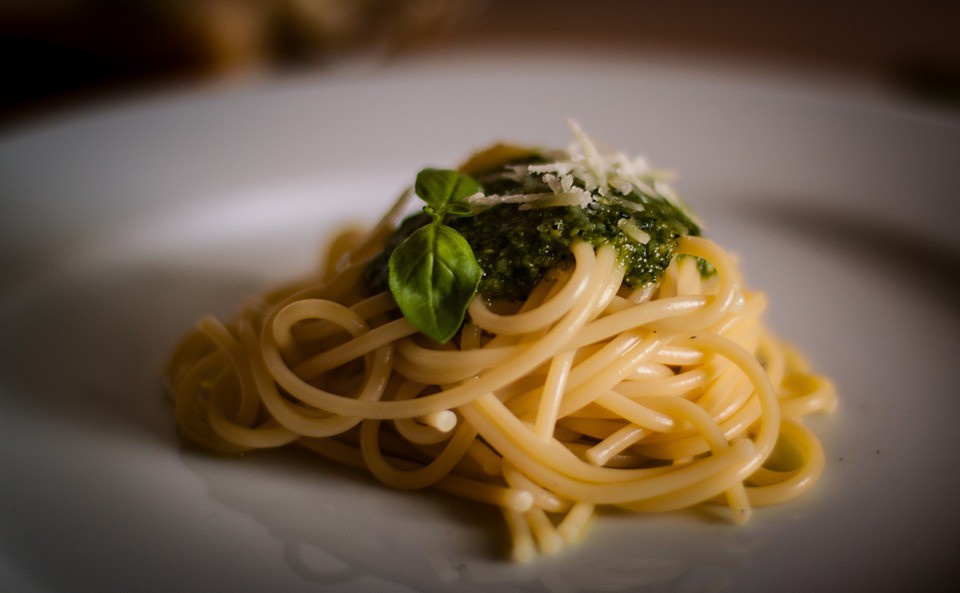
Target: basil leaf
x=433, y=276
x=460, y=209
x=440, y=188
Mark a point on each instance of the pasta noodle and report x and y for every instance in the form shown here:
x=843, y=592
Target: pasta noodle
x=593, y=393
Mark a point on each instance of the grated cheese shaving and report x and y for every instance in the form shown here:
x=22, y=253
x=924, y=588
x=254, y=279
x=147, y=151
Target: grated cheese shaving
x=631, y=230
x=628, y=204
x=493, y=200
x=583, y=176
x=575, y=197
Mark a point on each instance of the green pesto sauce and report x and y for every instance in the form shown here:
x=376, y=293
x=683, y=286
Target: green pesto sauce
x=515, y=248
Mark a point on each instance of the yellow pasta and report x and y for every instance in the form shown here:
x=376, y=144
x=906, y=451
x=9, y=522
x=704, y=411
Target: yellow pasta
x=593, y=393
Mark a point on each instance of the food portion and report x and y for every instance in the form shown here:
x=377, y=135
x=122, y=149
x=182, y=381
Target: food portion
x=547, y=332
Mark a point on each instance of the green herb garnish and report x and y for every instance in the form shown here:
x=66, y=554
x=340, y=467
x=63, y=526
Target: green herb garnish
x=433, y=273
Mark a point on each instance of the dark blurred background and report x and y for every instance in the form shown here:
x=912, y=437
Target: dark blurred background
x=60, y=53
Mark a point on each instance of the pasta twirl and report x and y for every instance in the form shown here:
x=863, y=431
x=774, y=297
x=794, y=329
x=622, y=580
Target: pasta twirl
x=589, y=392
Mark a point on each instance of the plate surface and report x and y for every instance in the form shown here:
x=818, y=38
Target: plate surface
x=120, y=227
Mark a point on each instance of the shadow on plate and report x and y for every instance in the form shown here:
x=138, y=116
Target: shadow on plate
x=88, y=347
x=340, y=528
x=913, y=261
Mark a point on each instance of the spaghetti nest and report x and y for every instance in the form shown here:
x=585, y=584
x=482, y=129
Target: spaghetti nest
x=589, y=394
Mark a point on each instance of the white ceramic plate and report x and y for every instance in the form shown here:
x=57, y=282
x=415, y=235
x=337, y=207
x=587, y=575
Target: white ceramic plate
x=121, y=226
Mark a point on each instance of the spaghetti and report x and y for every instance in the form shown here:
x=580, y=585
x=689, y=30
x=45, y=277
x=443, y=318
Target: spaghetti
x=590, y=393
